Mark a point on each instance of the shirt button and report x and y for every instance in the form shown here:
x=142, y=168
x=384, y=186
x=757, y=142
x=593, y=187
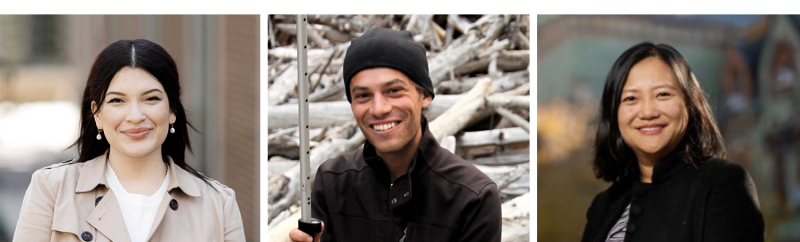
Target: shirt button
x=394, y=200
x=97, y=200
x=405, y=194
x=173, y=204
x=636, y=210
x=632, y=228
x=86, y=236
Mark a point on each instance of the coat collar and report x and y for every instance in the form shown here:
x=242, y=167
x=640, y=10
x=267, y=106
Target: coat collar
x=426, y=153
x=665, y=169
x=93, y=174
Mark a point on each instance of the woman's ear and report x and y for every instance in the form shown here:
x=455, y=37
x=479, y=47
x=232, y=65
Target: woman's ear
x=97, y=119
x=172, y=118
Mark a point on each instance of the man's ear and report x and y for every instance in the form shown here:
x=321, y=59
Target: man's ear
x=426, y=100
x=97, y=119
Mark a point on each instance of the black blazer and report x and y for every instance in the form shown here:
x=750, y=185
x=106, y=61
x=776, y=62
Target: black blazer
x=714, y=202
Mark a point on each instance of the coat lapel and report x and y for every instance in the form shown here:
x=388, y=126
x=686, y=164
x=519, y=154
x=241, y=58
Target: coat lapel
x=180, y=180
x=618, y=198
x=107, y=219
x=162, y=210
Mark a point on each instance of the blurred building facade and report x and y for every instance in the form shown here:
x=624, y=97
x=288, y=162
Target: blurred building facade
x=46, y=58
x=747, y=66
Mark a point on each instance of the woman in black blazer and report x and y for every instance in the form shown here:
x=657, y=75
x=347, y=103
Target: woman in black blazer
x=659, y=146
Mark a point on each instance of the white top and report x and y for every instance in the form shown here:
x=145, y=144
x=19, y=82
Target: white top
x=138, y=210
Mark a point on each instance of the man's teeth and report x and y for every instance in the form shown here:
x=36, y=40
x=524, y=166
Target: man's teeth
x=382, y=127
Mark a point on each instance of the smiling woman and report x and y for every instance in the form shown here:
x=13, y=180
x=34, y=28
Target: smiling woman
x=659, y=146
x=131, y=181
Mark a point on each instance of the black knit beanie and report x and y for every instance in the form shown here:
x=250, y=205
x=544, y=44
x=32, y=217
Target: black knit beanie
x=383, y=47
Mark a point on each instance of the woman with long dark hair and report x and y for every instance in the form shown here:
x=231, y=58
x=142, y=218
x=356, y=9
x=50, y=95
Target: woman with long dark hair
x=131, y=181
x=658, y=145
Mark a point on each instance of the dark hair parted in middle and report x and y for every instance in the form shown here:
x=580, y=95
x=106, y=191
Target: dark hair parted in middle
x=151, y=57
x=614, y=160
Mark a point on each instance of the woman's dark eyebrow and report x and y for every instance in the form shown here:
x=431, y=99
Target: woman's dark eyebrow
x=144, y=93
x=116, y=93
x=152, y=90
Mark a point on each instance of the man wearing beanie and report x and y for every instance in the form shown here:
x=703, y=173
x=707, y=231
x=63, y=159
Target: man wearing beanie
x=401, y=185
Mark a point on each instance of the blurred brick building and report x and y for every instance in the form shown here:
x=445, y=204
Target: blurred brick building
x=48, y=57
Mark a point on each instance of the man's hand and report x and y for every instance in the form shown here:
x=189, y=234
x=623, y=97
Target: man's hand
x=299, y=236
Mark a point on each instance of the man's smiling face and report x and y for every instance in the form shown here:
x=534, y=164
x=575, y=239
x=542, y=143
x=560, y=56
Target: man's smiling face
x=388, y=107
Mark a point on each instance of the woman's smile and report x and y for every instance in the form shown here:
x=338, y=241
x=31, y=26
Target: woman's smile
x=137, y=133
x=652, y=129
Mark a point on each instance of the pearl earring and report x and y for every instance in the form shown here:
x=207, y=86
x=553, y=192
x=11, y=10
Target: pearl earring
x=99, y=137
x=171, y=129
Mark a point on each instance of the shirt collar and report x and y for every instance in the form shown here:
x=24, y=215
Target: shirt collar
x=93, y=174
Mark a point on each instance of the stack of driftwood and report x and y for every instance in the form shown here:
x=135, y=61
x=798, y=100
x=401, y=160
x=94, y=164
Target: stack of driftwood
x=479, y=67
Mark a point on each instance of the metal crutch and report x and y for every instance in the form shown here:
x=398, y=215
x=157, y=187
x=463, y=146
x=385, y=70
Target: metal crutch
x=307, y=224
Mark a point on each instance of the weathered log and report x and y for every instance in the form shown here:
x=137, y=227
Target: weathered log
x=319, y=79
x=512, y=180
x=313, y=33
x=333, y=34
x=279, y=230
x=495, y=47
x=523, y=41
x=509, y=101
x=283, y=86
x=448, y=32
x=449, y=143
x=315, y=37
x=345, y=131
x=277, y=165
x=461, y=24
x=516, y=216
x=284, y=189
x=457, y=116
x=329, y=93
x=320, y=114
x=418, y=23
x=458, y=54
x=512, y=176
x=481, y=64
x=344, y=24
x=505, y=83
x=486, y=19
x=504, y=159
x=290, y=52
x=493, y=71
x=516, y=119
x=272, y=33
x=281, y=133
x=513, y=60
x=499, y=137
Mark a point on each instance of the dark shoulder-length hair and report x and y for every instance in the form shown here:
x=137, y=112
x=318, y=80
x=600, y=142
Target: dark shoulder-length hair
x=151, y=57
x=614, y=160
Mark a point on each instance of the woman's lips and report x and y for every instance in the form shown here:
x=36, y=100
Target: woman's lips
x=136, y=133
x=651, y=129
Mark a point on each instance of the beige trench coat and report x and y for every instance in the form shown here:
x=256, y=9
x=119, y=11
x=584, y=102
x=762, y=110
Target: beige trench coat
x=72, y=202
